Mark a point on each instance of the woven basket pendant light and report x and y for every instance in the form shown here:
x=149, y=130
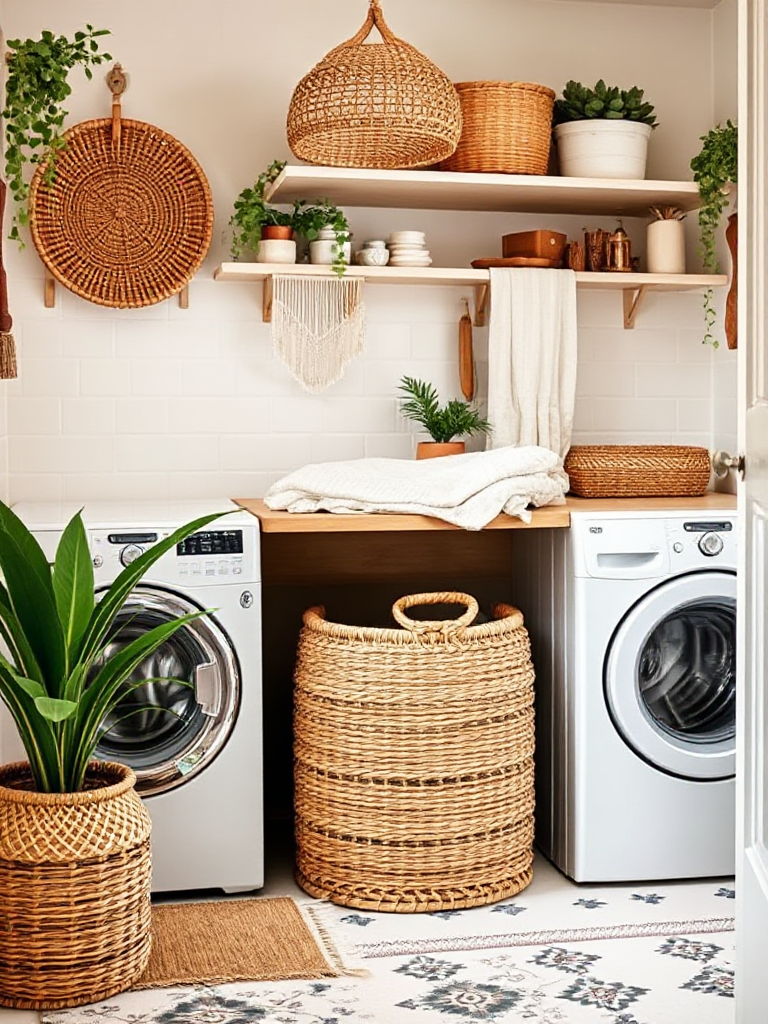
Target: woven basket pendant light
x=381, y=105
x=128, y=217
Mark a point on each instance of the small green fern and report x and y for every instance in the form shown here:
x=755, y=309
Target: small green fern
x=454, y=419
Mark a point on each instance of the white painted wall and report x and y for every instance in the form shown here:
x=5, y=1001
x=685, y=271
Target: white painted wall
x=164, y=401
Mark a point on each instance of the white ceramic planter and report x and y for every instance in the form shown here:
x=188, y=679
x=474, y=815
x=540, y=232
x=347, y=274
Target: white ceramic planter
x=276, y=250
x=665, y=247
x=602, y=148
x=323, y=251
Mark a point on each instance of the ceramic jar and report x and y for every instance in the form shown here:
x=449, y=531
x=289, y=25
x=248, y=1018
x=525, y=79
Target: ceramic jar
x=665, y=247
x=323, y=249
x=276, y=250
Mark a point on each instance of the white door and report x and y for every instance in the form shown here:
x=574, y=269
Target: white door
x=752, y=702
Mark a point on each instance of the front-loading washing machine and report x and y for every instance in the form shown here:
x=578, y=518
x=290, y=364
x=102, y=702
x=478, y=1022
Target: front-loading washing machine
x=195, y=743
x=632, y=619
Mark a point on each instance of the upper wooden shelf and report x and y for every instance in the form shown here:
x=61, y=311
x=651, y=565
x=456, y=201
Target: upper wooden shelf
x=453, y=190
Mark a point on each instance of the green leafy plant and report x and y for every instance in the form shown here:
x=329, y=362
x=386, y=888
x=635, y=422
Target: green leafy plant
x=455, y=419
x=58, y=676
x=580, y=103
x=310, y=220
x=36, y=87
x=714, y=167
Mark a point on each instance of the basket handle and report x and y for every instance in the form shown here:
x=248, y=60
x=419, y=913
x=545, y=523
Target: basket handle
x=117, y=82
x=375, y=17
x=447, y=626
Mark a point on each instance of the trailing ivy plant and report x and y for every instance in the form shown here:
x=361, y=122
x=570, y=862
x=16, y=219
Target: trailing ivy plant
x=36, y=87
x=713, y=168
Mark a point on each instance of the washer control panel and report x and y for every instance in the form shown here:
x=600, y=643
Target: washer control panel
x=702, y=540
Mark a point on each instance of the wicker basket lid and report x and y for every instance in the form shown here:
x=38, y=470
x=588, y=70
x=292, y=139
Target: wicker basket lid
x=128, y=218
x=383, y=105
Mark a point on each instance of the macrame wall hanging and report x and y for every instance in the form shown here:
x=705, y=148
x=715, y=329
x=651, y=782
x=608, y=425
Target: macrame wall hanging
x=318, y=326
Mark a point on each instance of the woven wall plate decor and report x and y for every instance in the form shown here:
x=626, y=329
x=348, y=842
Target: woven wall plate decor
x=128, y=217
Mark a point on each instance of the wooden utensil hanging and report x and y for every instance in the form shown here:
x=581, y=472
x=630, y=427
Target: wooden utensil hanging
x=731, y=236
x=466, y=355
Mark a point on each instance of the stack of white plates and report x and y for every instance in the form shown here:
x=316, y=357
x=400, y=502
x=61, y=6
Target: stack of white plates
x=406, y=249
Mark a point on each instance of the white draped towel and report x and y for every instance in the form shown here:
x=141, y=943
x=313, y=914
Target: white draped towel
x=532, y=357
x=466, y=490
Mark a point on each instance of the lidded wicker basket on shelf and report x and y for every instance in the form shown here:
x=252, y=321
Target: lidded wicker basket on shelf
x=635, y=471
x=128, y=217
x=413, y=759
x=380, y=105
x=507, y=128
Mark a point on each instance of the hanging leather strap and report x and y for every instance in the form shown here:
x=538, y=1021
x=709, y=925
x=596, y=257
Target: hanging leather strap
x=6, y=323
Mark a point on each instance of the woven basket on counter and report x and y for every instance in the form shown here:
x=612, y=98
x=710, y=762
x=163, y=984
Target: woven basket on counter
x=633, y=471
x=382, y=105
x=413, y=759
x=74, y=889
x=127, y=220
x=507, y=128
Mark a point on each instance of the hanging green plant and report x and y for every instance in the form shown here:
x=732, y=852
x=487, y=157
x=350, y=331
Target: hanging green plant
x=715, y=166
x=36, y=86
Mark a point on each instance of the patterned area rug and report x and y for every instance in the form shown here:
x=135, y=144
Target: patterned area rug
x=555, y=954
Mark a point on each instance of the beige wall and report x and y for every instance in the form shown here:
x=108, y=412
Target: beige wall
x=163, y=401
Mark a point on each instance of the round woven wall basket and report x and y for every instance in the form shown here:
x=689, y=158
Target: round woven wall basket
x=507, y=128
x=127, y=220
x=75, y=882
x=383, y=105
x=413, y=759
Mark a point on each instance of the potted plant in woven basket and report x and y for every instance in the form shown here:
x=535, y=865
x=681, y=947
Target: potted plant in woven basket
x=442, y=423
x=74, y=835
x=36, y=87
x=602, y=132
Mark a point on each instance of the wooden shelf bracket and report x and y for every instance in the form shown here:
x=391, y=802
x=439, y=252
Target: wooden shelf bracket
x=633, y=299
x=49, y=292
x=482, y=294
x=266, y=300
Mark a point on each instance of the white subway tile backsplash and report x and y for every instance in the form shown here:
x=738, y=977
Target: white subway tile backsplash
x=87, y=339
x=266, y=452
x=86, y=416
x=37, y=487
x=104, y=377
x=141, y=340
x=39, y=339
x=347, y=415
x=616, y=416
x=635, y=346
x=61, y=455
x=597, y=379
x=336, y=447
x=33, y=416
x=112, y=486
x=56, y=378
x=142, y=454
x=390, y=446
x=694, y=415
x=387, y=341
x=142, y=416
x=161, y=377
x=681, y=380
x=204, y=377
x=211, y=416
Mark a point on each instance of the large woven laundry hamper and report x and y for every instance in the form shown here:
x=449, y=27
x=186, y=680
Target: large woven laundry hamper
x=413, y=759
x=383, y=105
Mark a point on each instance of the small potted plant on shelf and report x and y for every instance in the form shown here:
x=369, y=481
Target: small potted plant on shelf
x=442, y=423
x=62, y=679
x=326, y=229
x=255, y=221
x=36, y=87
x=714, y=168
x=602, y=132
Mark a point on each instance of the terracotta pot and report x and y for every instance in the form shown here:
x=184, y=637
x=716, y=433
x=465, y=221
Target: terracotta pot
x=277, y=231
x=75, y=882
x=436, y=449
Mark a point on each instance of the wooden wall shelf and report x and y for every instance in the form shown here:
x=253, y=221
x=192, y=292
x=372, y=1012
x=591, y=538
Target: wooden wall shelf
x=633, y=286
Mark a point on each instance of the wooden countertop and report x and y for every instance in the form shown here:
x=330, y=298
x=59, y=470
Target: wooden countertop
x=549, y=517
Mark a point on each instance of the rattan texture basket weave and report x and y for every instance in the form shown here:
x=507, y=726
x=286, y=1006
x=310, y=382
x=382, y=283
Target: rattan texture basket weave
x=128, y=218
x=507, y=128
x=413, y=759
x=383, y=105
x=74, y=889
x=634, y=471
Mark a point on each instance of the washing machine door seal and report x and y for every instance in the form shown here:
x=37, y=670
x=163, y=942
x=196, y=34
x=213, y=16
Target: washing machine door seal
x=170, y=727
x=670, y=676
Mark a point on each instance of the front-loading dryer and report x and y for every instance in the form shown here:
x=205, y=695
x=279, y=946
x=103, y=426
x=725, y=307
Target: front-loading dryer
x=632, y=618
x=192, y=731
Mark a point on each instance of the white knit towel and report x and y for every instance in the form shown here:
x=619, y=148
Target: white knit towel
x=532, y=357
x=466, y=490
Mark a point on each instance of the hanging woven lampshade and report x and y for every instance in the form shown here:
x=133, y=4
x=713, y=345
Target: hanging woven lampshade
x=382, y=105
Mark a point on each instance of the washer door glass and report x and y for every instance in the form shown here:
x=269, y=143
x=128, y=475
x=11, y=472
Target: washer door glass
x=170, y=726
x=670, y=676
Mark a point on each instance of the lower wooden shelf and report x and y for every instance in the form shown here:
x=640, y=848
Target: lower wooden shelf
x=633, y=286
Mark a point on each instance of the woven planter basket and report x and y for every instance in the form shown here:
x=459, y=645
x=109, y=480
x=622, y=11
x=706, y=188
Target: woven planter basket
x=382, y=105
x=74, y=889
x=634, y=471
x=127, y=220
x=413, y=759
x=507, y=128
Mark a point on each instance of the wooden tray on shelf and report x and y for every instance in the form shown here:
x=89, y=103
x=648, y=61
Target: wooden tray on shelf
x=514, y=261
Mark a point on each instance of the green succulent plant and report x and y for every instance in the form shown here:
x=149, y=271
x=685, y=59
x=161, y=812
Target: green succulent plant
x=59, y=678
x=714, y=167
x=455, y=419
x=581, y=103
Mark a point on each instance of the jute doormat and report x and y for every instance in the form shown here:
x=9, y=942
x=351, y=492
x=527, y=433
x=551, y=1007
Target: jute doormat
x=238, y=940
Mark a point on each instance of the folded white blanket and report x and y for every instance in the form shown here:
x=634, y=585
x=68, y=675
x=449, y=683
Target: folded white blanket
x=466, y=490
